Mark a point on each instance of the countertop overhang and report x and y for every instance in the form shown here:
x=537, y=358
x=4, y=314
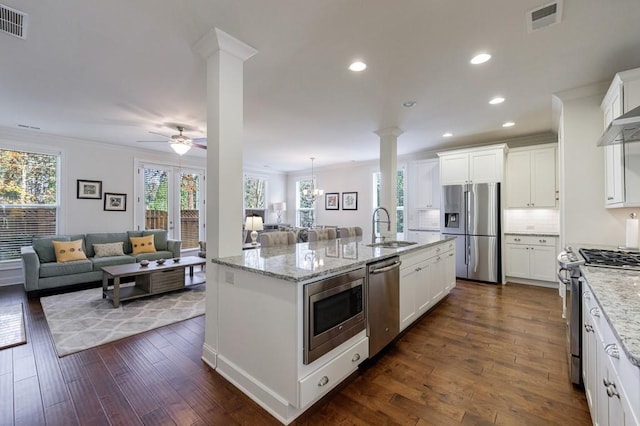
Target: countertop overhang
x=308, y=261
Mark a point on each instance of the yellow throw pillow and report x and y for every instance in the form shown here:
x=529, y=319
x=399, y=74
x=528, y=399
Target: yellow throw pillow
x=68, y=251
x=143, y=244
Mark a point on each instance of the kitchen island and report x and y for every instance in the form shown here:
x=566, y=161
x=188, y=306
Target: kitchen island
x=260, y=322
x=611, y=344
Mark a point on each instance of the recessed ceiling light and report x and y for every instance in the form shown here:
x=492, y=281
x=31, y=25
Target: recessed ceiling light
x=447, y=135
x=497, y=100
x=358, y=66
x=480, y=58
x=509, y=124
x=409, y=104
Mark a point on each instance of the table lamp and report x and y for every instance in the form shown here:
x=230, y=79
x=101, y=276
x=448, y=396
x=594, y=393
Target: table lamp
x=279, y=208
x=253, y=224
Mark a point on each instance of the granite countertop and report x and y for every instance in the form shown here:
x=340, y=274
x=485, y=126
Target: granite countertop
x=306, y=261
x=533, y=233
x=618, y=292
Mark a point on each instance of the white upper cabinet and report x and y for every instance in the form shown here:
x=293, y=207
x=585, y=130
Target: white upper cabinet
x=424, y=178
x=531, y=177
x=478, y=165
x=622, y=161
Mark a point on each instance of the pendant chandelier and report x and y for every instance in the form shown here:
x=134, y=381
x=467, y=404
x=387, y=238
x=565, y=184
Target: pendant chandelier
x=314, y=193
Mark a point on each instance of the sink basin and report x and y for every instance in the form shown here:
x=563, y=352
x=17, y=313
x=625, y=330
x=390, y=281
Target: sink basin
x=392, y=244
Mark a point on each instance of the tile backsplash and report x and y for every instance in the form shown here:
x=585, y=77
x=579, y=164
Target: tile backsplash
x=532, y=220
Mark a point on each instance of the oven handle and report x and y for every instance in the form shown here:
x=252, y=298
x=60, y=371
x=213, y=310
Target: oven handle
x=562, y=279
x=394, y=265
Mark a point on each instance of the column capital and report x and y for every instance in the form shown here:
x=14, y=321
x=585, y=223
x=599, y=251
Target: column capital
x=216, y=40
x=389, y=131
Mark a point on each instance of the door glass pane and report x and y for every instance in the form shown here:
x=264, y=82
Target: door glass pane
x=156, y=198
x=189, y=209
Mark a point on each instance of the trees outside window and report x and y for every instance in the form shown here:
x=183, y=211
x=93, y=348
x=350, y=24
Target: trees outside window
x=28, y=199
x=305, y=205
x=399, y=199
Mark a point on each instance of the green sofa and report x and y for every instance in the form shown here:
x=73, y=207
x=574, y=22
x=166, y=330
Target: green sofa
x=42, y=272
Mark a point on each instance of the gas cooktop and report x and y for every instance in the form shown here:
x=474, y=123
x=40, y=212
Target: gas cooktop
x=611, y=258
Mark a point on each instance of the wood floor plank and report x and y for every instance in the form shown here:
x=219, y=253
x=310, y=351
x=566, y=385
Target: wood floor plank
x=485, y=355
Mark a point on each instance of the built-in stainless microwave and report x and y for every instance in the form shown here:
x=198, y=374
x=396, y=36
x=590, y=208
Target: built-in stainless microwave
x=334, y=312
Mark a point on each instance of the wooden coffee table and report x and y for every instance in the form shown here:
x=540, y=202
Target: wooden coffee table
x=150, y=279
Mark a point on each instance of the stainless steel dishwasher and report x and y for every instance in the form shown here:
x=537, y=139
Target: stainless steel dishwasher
x=383, y=306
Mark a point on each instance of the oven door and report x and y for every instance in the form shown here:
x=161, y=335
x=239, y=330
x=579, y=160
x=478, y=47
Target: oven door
x=334, y=311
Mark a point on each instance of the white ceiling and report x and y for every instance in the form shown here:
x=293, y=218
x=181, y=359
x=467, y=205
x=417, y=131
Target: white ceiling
x=111, y=71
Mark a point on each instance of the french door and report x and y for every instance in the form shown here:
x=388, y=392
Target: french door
x=172, y=198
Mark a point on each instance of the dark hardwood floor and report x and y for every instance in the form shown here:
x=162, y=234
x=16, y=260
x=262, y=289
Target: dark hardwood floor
x=486, y=355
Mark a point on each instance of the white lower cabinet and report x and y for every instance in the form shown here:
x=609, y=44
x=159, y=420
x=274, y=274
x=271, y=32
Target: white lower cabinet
x=329, y=375
x=425, y=278
x=611, y=382
x=531, y=257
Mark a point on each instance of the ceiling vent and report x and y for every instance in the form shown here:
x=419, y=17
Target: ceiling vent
x=544, y=16
x=13, y=22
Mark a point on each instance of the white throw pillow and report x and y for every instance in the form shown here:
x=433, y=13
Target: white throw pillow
x=109, y=249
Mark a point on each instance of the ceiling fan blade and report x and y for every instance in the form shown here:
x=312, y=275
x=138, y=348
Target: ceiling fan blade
x=199, y=140
x=152, y=141
x=197, y=145
x=160, y=134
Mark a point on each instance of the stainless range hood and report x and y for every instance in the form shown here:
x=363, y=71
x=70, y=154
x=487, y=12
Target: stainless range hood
x=623, y=129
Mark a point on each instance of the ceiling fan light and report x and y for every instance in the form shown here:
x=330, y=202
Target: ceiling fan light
x=180, y=148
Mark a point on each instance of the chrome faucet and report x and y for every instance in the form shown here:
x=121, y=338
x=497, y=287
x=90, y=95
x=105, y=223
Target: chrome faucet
x=374, y=221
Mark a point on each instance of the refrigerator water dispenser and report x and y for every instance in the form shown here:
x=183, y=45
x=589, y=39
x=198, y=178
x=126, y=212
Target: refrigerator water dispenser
x=451, y=220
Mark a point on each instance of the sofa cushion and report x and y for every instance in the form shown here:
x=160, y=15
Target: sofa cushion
x=99, y=262
x=68, y=251
x=104, y=238
x=44, y=248
x=143, y=244
x=54, y=269
x=109, y=249
x=160, y=237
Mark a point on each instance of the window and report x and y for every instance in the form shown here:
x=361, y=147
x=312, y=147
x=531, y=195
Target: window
x=255, y=190
x=399, y=199
x=28, y=199
x=174, y=196
x=305, y=206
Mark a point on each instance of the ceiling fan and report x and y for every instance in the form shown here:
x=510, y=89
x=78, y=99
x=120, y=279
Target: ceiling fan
x=181, y=143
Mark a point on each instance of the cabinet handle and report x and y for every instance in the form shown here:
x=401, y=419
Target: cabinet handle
x=532, y=204
x=587, y=295
x=612, y=350
x=323, y=381
x=438, y=250
x=356, y=357
x=609, y=198
x=612, y=391
x=542, y=241
x=605, y=382
x=588, y=328
x=516, y=239
x=450, y=254
x=595, y=312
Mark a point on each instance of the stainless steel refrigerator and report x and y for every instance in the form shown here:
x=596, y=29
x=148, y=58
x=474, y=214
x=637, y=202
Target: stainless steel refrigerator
x=471, y=213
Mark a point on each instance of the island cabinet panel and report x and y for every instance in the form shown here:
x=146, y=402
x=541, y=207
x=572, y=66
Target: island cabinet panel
x=612, y=383
x=425, y=278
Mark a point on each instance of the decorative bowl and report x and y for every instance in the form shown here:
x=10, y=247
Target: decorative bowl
x=176, y=259
x=160, y=261
x=144, y=262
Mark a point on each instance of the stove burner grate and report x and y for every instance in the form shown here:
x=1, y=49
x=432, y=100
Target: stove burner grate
x=611, y=258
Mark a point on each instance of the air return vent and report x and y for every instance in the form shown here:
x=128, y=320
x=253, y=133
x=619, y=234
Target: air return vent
x=13, y=22
x=544, y=16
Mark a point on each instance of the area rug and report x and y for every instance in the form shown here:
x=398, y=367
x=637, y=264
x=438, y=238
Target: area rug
x=12, y=326
x=83, y=319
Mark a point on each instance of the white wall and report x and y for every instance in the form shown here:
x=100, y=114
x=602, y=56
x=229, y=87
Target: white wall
x=350, y=177
x=584, y=219
x=111, y=164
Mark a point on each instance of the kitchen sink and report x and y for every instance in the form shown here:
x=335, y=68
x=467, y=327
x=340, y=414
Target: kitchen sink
x=392, y=244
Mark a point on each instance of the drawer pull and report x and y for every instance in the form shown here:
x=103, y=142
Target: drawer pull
x=612, y=350
x=612, y=391
x=356, y=357
x=323, y=381
x=595, y=312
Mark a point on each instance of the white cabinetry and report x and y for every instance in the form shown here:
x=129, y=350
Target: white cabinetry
x=424, y=179
x=611, y=382
x=478, y=165
x=531, y=257
x=426, y=277
x=622, y=161
x=531, y=177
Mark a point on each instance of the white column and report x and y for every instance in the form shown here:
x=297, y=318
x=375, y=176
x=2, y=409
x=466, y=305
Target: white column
x=389, y=175
x=225, y=58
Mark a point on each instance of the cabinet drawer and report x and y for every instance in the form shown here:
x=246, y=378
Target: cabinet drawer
x=530, y=240
x=328, y=376
x=162, y=281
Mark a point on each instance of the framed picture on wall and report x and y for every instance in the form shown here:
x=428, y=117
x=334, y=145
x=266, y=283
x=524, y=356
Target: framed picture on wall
x=332, y=201
x=115, y=202
x=90, y=189
x=349, y=201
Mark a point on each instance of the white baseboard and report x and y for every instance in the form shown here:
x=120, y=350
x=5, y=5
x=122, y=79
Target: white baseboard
x=547, y=284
